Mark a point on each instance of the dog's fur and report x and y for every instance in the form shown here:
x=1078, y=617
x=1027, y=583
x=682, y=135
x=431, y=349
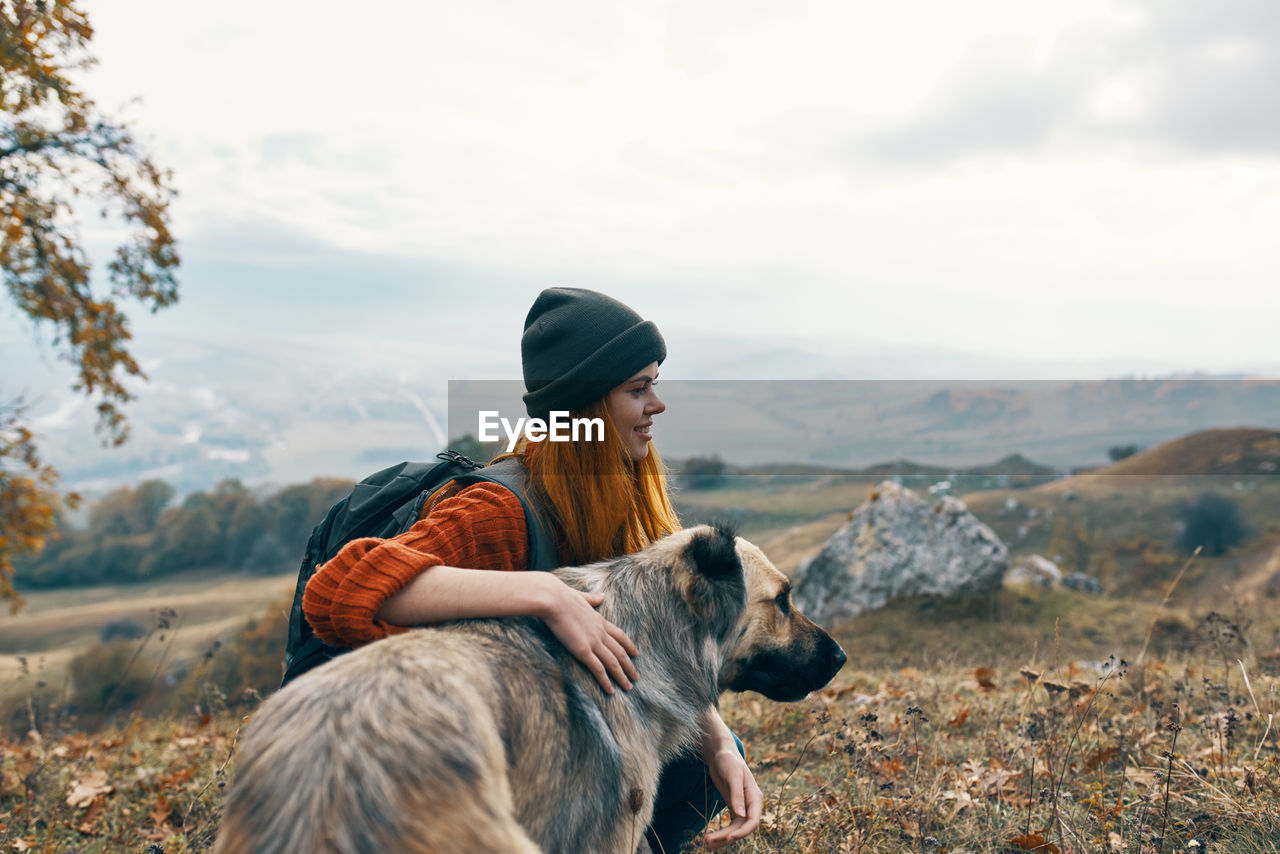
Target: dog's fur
x=487, y=736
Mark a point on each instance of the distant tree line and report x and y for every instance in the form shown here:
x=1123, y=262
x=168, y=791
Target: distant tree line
x=703, y=472
x=134, y=533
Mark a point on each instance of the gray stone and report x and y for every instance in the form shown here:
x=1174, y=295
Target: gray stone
x=1083, y=583
x=1035, y=570
x=898, y=544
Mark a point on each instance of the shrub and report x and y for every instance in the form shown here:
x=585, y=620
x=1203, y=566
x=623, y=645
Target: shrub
x=245, y=668
x=110, y=677
x=1210, y=520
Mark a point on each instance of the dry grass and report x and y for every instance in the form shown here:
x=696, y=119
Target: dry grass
x=152, y=786
x=57, y=625
x=993, y=724
x=1063, y=759
x=1240, y=451
x=1030, y=743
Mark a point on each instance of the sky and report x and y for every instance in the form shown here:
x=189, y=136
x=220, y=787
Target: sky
x=1086, y=188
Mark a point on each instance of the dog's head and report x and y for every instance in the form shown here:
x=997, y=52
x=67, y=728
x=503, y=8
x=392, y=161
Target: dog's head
x=766, y=644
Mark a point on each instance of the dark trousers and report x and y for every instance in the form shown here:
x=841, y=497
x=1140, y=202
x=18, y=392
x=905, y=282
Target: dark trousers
x=687, y=800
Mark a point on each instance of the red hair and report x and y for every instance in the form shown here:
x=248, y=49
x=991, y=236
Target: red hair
x=598, y=500
x=603, y=502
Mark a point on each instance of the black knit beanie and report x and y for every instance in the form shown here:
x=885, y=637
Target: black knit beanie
x=580, y=344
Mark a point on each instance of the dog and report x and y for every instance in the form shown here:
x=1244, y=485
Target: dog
x=488, y=736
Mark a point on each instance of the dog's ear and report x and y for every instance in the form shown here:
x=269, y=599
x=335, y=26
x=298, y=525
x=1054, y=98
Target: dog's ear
x=714, y=587
x=713, y=552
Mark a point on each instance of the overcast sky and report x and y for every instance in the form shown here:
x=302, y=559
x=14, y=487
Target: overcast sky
x=1030, y=179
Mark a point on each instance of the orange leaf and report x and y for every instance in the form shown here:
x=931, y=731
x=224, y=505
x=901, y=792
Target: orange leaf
x=89, y=821
x=1034, y=842
x=1100, y=757
x=160, y=812
x=986, y=678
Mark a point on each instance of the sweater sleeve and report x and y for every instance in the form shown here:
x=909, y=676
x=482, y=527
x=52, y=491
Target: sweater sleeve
x=481, y=527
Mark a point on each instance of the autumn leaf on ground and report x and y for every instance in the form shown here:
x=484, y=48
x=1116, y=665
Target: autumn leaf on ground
x=986, y=678
x=1034, y=842
x=161, y=812
x=1100, y=757
x=161, y=817
x=88, y=824
x=961, y=801
x=1140, y=776
x=88, y=788
x=177, y=778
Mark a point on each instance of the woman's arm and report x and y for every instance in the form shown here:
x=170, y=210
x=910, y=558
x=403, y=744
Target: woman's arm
x=451, y=593
x=733, y=779
x=374, y=587
x=481, y=526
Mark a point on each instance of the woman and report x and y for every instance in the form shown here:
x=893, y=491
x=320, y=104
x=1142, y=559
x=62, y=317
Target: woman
x=588, y=354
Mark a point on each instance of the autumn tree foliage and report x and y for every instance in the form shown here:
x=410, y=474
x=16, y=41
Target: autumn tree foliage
x=60, y=159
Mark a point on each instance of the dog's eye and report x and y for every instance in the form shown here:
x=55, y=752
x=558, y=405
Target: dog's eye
x=783, y=601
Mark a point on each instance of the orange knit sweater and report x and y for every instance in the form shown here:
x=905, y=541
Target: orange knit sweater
x=481, y=527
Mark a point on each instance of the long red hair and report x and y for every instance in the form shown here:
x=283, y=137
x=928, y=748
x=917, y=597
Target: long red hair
x=601, y=501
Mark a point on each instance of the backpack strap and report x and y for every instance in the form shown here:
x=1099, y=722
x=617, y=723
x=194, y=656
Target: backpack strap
x=511, y=473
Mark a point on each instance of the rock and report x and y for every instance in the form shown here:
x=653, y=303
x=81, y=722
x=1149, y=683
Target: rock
x=898, y=544
x=1083, y=583
x=1035, y=570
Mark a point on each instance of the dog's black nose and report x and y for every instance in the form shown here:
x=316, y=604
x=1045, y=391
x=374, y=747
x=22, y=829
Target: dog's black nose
x=838, y=658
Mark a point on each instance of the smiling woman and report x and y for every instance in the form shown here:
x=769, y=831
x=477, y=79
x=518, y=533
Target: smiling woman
x=588, y=358
x=632, y=406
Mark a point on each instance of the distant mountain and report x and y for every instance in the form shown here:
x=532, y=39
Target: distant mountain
x=950, y=425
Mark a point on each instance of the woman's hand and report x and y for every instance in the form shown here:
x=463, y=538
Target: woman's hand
x=733, y=779
x=601, y=646
x=736, y=785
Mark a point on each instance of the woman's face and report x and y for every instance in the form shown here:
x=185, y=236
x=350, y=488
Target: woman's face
x=632, y=406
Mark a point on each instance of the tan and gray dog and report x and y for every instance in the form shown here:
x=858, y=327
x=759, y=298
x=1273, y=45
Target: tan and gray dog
x=487, y=736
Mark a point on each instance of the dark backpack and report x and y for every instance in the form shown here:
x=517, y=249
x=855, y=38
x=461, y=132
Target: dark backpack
x=386, y=504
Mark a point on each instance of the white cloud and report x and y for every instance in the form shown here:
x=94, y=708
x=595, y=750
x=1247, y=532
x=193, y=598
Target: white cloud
x=948, y=166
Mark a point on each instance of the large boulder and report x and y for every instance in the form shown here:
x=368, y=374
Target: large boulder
x=898, y=544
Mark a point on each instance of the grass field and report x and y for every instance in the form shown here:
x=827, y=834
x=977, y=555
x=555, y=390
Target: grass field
x=1028, y=720
x=56, y=625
